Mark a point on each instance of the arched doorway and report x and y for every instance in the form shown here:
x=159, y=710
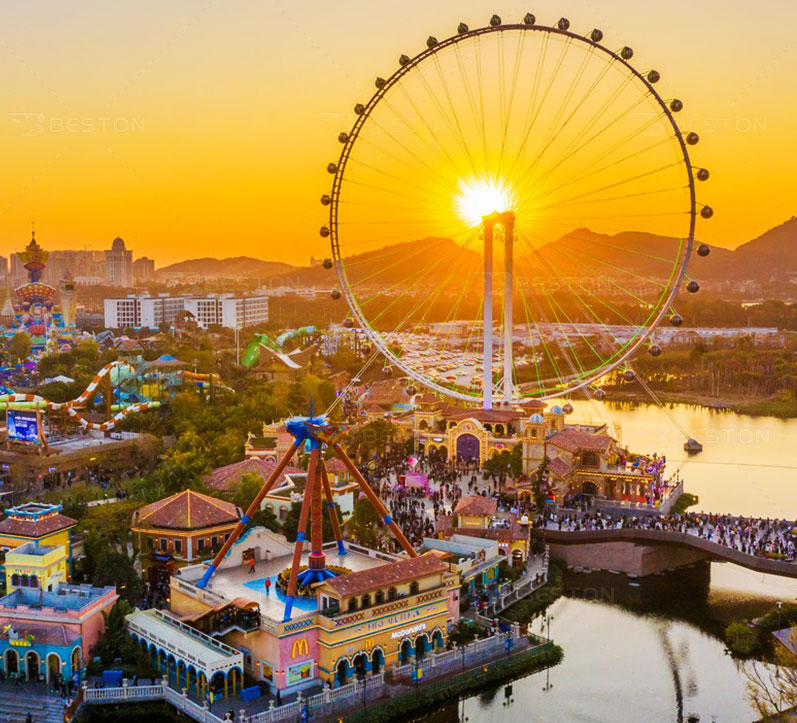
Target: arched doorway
x=340, y=672
x=421, y=643
x=12, y=662
x=53, y=668
x=437, y=640
x=217, y=684
x=588, y=488
x=468, y=447
x=32, y=665
x=77, y=660
x=377, y=660
x=359, y=665
x=404, y=652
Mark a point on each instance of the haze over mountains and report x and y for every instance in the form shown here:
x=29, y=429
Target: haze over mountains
x=770, y=256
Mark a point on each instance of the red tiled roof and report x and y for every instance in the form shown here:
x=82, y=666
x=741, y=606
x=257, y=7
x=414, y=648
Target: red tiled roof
x=187, y=510
x=391, y=573
x=335, y=466
x=225, y=479
x=476, y=505
x=444, y=522
x=36, y=528
x=573, y=441
x=560, y=468
x=533, y=404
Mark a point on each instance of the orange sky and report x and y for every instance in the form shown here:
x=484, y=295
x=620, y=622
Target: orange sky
x=204, y=128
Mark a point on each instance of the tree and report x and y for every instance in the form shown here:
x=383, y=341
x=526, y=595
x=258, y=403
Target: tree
x=19, y=347
x=291, y=525
x=539, y=483
x=365, y=523
x=772, y=685
x=246, y=490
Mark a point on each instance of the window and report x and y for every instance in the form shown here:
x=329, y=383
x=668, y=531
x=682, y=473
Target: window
x=23, y=581
x=414, y=587
x=15, y=580
x=178, y=547
x=392, y=594
x=164, y=544
x=366, y=601
x=352, y=604
x=201, y=543
x=34, y=581
x=150, y=543
x=379, y=598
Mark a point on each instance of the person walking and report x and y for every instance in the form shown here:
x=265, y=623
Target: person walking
x=251, y=565
x=268, y=586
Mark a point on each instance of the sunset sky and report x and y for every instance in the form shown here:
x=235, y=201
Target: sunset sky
x=196, y=128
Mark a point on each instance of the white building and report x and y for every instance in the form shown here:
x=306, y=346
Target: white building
x=151, y=311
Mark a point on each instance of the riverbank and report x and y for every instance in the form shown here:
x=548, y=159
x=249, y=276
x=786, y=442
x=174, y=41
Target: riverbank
x=782, y=408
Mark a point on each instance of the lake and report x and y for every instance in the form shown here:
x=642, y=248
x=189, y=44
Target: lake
x=650, y=650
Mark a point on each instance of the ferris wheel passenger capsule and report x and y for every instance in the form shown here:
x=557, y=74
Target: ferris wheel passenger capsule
x=348, y=322
x=706, y=212
x=332, y=168
x=431, y=41
x=359, y=109
x=654, y=76
x=567, y=408
x=692, y=139
x=629, y=375
x=412, y=391
x=693, y=287
x=596, y=35
x=403, y=60
x=327, y=264
x=600, y=395
x=703, y=250
x=702, y=174
x=563, y=24
x=380, y=83
x=326, y=199
x=324, y=231
x=655, y=350
x=462, y=28
x=676, y=106
x=529, y=19
x=676, y=320
x=495, y=20
x=627, y=53
x=335, y=294
x=387, y=371
x=365, y=349
x=343, y=137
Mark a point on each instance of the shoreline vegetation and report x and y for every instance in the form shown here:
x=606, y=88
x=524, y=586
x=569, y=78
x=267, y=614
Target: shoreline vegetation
x=782, y=406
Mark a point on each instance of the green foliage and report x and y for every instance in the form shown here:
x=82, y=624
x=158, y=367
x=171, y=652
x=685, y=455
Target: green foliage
x=538, y=483
x=365, y=523
x=466, y=632
x=291, y=524
x=527, y=608
x=115, y=643
x=684, y=502
x=372, y=438
x=19, y=347
x=742, y=640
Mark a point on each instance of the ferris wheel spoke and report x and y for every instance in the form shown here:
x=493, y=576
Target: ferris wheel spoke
x=512, y=91
x=471, y=101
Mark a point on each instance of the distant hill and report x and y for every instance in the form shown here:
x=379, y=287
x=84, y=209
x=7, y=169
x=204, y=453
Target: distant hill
x=772, y=255
x=229, y=268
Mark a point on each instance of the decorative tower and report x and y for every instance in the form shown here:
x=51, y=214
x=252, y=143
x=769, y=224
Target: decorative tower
x=67, y=295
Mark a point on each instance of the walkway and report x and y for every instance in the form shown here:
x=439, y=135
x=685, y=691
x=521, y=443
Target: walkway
x=726, y=538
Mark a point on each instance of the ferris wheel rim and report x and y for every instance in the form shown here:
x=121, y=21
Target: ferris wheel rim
x=352, y=136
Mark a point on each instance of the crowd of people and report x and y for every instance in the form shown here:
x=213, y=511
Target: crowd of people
x=771, y=538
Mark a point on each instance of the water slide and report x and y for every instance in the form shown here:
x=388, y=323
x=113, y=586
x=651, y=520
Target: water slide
x=274, y=348
x=116, y=369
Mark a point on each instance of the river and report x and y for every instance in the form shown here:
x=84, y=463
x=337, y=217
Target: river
x=650, y=651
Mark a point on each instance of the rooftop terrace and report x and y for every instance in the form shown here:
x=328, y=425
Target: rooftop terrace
x=64, y=597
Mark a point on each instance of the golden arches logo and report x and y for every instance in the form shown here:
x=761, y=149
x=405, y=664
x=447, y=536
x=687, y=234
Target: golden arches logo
x=299, y=647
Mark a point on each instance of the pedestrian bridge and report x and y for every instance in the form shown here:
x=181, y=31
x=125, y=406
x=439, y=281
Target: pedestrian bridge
x=645, y=552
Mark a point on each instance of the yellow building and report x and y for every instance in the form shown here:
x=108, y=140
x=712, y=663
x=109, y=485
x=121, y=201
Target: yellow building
x=39, y=523
x=36, y=566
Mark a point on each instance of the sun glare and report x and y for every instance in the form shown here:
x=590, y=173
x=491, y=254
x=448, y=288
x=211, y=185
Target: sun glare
x=479, y=197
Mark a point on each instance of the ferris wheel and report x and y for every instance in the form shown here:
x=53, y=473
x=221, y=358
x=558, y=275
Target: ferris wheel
x=512, y=213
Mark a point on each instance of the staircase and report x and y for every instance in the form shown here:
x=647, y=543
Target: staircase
x=44, y=709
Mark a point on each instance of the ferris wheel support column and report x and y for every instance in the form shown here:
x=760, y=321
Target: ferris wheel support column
x=508, y=222
x=487, y=346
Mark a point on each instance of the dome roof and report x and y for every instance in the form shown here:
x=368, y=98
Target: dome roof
x=536, y=419
x=557, y=410
x=118, y=244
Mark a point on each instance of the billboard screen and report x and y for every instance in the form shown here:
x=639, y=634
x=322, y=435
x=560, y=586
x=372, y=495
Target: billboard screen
x=22, y=426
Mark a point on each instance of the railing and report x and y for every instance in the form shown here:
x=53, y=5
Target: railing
x=104, y=695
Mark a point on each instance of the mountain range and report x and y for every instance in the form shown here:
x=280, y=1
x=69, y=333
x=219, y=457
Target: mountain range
x=772, y=256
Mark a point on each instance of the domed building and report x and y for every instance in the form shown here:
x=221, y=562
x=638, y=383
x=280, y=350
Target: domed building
x=119, y=265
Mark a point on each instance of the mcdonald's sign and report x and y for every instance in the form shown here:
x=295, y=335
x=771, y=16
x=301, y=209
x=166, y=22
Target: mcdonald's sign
x=299, y=647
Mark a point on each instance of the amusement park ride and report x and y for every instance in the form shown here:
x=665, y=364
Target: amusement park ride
x=317, y=433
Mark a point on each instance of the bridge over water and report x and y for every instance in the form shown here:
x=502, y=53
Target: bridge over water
x=636, y=551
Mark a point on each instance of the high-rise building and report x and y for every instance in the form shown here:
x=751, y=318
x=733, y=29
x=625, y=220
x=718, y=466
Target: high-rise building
x=143, y=270
x=119, y=265
x=3, y=270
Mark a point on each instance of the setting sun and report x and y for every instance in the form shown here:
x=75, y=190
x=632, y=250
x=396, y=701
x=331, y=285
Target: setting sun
x=477, y=198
